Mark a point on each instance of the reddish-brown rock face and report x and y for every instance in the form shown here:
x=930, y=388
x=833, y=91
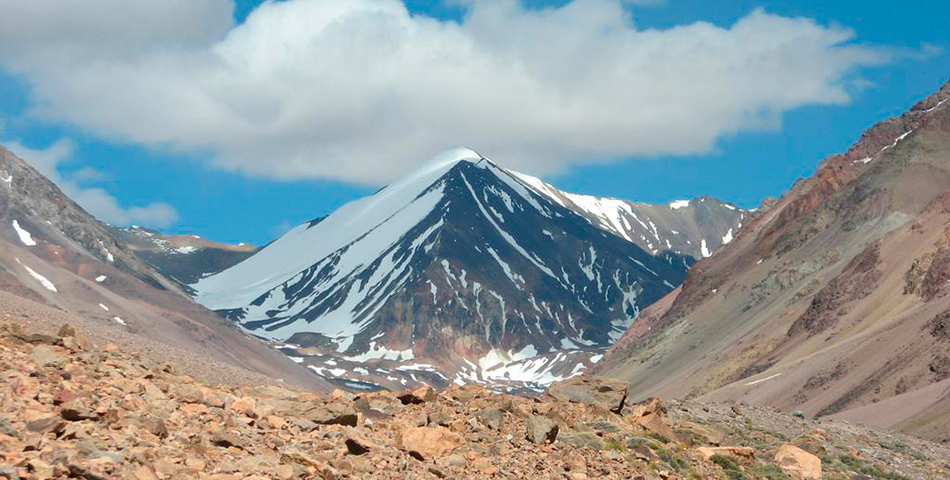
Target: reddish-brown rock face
x=822, y=302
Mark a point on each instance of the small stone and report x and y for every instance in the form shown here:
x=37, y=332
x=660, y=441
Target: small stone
x=45, y=424
x=284, y=472
x=189, y=393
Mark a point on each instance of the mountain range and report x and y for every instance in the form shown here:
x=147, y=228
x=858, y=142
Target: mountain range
x=832, y=300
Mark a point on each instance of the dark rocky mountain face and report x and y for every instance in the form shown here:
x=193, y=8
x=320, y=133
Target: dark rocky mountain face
x=694, y=227
x=462, y=272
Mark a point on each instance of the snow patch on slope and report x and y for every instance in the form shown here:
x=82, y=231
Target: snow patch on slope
x=43, y=280
x=25, y=236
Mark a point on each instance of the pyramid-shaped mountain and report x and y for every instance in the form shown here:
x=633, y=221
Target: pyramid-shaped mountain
x=463, y=268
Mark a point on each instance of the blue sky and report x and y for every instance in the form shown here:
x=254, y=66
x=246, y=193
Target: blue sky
x=235, y=204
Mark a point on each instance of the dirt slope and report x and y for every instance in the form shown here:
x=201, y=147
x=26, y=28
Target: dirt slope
x=832, y=299
x=55, y=254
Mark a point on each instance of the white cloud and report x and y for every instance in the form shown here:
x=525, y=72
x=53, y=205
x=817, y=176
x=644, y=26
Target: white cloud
x=362, y=91
x=95, y=200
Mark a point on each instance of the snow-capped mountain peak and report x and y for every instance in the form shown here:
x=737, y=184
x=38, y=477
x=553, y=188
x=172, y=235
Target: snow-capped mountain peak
x=463, y=264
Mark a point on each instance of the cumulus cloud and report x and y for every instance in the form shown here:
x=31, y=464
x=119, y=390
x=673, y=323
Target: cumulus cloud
x=363, y=91
x=95, y=200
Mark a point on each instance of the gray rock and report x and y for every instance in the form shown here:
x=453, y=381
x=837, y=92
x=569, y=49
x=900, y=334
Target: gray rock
x=332, y=414
x=46, y=357
x=608, y=393
x=454, y=460
x=225, y=439
x=7, y=428
x=189, y=393
x=582, y=440
x=492, y=418
x=540, y=429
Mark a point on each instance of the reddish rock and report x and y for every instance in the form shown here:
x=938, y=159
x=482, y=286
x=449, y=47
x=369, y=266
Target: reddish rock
x=428, y=442
x=797, y=463
x=419, y=395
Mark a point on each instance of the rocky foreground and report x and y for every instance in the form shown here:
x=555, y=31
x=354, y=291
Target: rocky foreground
x=69, y=409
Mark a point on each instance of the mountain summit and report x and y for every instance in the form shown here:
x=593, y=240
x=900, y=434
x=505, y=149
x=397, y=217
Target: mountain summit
x=462, y=271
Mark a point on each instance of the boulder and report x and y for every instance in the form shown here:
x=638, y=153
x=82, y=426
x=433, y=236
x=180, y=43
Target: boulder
x=428, y=442
x=226, y=439
x=604, y=392
x=71, y=338
x=703, y=434
x=492, y=418
x=654, y=423
x=646, y=407
x=77, y=410
x=332, y=414
x=797, y=463
x=357, y=444
x=541, y=429
x=45, y=357
x=378, y=404
x=419, y=395
x=581, y=440
x=189, y=393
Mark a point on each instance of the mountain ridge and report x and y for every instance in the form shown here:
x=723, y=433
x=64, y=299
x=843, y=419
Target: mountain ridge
x=54, y=254
x=821, y=302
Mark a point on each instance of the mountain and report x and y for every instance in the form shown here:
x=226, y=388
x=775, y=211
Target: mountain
x=464, y=272
x=834, y=301
x=182, y=258
x=58, y=261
